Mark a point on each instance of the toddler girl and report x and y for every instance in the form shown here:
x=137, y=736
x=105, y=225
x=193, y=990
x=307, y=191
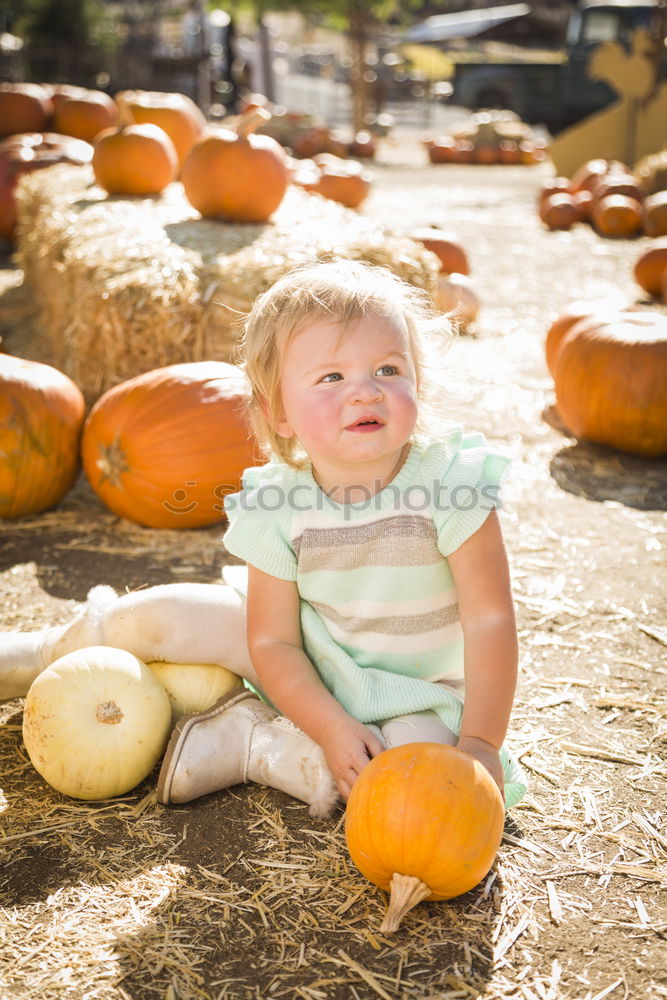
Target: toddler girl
x=379, y=609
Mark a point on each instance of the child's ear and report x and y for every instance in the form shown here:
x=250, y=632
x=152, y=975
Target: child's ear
x=277, y=420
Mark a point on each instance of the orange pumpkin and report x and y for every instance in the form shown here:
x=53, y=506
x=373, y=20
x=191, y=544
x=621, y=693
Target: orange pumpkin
x=177, y=114
x=86, y=115
x=619, y=183
x=611, y=382
x=25, y=152
x=559, y=211
x=617, y=215
x=590, y=172
x=164, y=448
x=344, y=181
x=364, y=145
x=655, y=214
x=134, y=160
x=556, y=185
x=562, y=324
x=24, y=107
x=650, y=267
x=423, y=821
x=442, y=149
x=41, y=415
x=237, y=176
x=447, y=248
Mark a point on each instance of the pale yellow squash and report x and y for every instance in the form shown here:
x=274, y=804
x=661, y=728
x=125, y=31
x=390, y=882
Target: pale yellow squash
x=96, y=722
x=193, y=687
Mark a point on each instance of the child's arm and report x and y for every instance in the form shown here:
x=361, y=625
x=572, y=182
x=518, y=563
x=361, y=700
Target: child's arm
x=292, y=683
x=481, y=574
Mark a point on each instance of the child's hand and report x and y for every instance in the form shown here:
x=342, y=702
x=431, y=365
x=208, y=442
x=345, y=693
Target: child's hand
x=348, y=746
x=487, y=755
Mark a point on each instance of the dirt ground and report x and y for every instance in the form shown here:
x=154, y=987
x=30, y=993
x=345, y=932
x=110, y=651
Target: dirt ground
x=241, y=894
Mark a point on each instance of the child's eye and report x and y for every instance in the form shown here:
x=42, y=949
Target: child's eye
x=387, y=370
x=331, y=377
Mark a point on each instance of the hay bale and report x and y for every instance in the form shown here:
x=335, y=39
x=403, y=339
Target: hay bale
x=124, y=285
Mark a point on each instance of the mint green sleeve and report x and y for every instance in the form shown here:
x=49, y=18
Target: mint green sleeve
x=259, y=520
x=464, y=476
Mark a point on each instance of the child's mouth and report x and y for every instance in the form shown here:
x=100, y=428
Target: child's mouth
x=365, y=425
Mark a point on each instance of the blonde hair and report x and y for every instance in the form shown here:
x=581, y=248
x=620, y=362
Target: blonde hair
x=342, y=291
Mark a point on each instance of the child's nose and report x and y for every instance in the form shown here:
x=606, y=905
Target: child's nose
x=366, y=390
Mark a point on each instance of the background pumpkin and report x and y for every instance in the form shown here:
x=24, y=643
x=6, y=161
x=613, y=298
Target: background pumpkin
x=28, y=151
x=134, y=160
x=611, y=382
x=24, y=107
x=236, y=175
x=446, y=246
x=423, y=821
x=96, y=722
x=650, y=267
x=85, y=115
x=617, y=215
x=41, y=415
x=655, y=214
x=163, y=448
x=177, y=114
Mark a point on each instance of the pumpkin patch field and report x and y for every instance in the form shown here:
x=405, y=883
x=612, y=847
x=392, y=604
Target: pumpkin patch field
x=243, y=895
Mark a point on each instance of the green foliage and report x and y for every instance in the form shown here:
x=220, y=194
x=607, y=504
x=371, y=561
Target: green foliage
x=74, y=21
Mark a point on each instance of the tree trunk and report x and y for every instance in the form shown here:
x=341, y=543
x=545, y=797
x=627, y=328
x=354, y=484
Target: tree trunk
x=358, y=81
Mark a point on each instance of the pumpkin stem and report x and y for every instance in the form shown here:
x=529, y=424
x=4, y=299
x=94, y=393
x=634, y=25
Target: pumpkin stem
x=108, y=712
x=251, y=120
x=405, y=891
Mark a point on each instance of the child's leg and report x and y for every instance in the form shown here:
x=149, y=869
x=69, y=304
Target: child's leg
x=418, y=727
x=180, y=623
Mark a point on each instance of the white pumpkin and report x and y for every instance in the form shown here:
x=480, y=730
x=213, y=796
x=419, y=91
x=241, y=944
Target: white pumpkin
x=193, y=687
x=96, y=722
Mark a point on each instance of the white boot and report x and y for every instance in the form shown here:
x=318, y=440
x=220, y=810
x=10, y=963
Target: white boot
x=241, y=739
x=177, y=623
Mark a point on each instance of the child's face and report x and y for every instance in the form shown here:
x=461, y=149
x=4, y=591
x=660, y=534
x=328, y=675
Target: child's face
x=350, y=398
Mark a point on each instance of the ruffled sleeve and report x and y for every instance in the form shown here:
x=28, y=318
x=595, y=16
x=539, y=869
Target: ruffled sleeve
x=464, y=474
x=259, y=521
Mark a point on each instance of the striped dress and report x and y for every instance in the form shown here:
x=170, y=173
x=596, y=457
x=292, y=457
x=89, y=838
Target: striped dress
x=379, y=613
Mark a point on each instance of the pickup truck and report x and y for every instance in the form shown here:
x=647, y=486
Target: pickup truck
x=554, y=88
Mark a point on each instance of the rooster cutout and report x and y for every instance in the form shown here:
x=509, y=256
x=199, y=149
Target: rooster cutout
x=632, y=75
x=634, y=125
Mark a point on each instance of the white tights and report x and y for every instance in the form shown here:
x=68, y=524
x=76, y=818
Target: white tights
x=417, y=727
x=179, y=623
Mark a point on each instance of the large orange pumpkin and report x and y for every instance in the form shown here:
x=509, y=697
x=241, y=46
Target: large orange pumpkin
x=575, y=314
x=41, y=415
x=23, y=153
x=236, y=176
x=423, y=821
x=164, y=448
x=611, y=382
x=177, y=114
x=134, y=160
x=24, y=107
x=650, y=267
x=86, y=115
